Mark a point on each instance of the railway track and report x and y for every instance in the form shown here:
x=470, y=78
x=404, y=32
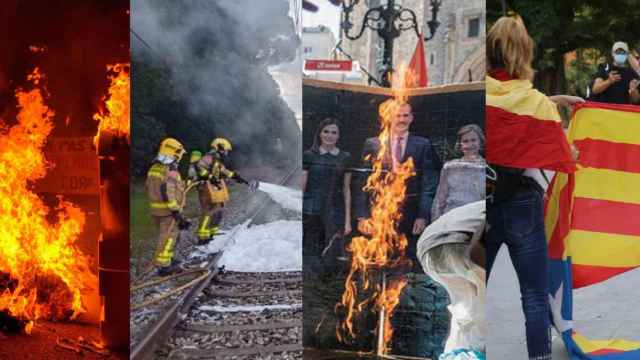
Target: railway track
x=173, y=310
x=262, y=310
x=243, y=315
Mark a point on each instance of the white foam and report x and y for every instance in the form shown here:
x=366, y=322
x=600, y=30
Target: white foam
x=287, y=197
x=248, y=308
x=275, y=246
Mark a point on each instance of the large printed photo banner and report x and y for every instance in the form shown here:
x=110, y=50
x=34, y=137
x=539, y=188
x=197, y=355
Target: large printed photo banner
x=591, y=219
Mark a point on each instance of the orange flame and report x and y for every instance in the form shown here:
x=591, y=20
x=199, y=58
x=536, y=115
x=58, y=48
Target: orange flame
x=385, y=248
x=388, y=301
x=39, y=255
x=116, y=117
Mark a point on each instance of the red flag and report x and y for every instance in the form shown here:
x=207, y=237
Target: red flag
x=418, y=66
x=523, y=128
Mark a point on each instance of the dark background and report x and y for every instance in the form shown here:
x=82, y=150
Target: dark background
x=81, y=38
x=436, y=116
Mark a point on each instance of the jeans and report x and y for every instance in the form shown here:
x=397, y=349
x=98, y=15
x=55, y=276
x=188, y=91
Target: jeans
x=519, y=224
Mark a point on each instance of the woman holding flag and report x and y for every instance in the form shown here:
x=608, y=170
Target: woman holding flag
x=524, y=135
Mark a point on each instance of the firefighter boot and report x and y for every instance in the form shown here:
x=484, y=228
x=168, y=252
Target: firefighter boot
x=209, y=227
x=204, y=231
x=169, y=270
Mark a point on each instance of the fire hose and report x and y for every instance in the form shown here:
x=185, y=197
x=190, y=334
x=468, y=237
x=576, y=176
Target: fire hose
x=156, y=299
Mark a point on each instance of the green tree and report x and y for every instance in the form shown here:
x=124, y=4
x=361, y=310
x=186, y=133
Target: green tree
x=202, y=71
x=560, y=27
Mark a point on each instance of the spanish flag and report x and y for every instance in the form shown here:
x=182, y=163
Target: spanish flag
x=523, y=127
x=418, y=66
x=592, y=219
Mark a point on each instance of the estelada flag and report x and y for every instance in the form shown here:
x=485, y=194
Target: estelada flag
x=592, y=219
x=523, y=127
x=418, y=66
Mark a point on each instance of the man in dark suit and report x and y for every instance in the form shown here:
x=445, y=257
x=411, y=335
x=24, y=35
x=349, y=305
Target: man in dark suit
x=421, y=188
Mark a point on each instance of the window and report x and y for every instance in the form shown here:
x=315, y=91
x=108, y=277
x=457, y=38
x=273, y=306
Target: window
x=431, y=59
x=474, y=27
x=308, y=49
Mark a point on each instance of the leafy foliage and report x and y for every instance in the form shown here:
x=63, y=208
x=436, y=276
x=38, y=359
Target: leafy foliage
x=203, y=72
x=561, y=27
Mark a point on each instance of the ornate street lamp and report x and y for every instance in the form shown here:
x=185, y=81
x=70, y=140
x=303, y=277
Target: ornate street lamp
x=389, y=21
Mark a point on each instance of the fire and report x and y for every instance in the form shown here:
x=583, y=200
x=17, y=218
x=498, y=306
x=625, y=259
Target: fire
x=388, y=301
x=384, y=248
x=116, y=117
x=43, y=269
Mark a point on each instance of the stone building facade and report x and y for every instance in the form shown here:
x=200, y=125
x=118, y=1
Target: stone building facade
x=317, y=42
x=456, y=54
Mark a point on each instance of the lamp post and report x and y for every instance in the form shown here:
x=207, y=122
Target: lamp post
x=389, y=21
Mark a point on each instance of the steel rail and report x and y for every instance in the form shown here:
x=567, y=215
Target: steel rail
x=166, y=325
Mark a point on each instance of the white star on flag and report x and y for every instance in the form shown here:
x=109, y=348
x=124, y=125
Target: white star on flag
x=561, y=324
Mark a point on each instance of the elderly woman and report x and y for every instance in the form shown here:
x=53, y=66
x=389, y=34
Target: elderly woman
x=462, y=180
x=450, y=252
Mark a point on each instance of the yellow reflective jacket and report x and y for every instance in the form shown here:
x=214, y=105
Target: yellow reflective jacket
x=165, y=190
x=212, y=168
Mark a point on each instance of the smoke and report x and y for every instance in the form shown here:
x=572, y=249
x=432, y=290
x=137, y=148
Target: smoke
x=217, y=55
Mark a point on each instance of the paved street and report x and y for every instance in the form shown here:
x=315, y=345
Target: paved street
x=610, y=309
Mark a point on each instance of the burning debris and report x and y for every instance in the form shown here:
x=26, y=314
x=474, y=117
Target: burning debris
x=9, y=323
x=81, y=345
x=44, y=272
x=115, y=118
x=112, y=143
x=384, y=249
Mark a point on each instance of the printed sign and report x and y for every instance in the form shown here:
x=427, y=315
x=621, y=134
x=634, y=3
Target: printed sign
x=75, y=167
x=328, y=65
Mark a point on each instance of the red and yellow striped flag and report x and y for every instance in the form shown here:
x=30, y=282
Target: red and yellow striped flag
x=593, y=215
x=523, y=128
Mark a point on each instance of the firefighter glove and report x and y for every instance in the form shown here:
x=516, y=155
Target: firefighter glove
x=240, y=179
x=214, y=181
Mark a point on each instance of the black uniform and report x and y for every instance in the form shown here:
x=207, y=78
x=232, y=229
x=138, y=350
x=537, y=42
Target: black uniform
x=617, y=93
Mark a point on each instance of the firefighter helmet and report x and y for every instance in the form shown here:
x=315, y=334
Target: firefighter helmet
x=195, y=156
x=172, y=148
x=221, y=144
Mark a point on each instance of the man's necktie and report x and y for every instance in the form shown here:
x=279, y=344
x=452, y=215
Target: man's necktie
x=397, y=149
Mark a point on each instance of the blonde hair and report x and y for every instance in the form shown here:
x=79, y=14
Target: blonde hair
x=509, y=46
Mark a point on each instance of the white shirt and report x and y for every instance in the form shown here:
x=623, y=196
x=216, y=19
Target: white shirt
x=536, y=175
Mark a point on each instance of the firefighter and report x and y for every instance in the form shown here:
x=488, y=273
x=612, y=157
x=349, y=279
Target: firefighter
x=193, y=172
x=165, y=190
x=213, y=192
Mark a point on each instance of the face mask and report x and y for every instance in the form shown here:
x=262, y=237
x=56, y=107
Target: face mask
x=165, y=159
x=620, y=58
